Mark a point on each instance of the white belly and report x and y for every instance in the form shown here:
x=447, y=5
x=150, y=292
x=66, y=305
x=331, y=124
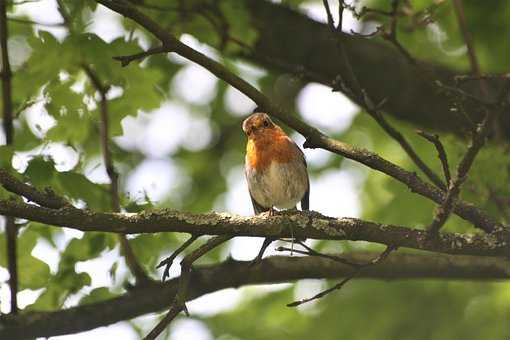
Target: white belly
x=281, y=185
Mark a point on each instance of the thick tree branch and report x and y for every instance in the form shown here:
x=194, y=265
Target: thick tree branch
x=207, y=279
x=315, y=139
x=382, y=70
x=11, y=230
x=283, y=225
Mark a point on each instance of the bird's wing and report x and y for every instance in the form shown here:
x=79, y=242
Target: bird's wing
x=305, y=201
x=257, y=207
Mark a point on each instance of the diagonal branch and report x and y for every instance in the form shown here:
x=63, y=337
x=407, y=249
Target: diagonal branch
x=314, y=138
x=48, y=198
x=131, y=261
x=275, y=269
x=357, y=270
x=441, y=153
x=169, y=260
x=11, y=230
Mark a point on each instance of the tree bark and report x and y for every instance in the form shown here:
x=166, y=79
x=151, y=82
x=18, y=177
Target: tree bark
x=234, y=274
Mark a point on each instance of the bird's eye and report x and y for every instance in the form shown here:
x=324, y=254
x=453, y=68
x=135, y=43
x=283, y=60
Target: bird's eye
x=266, y=123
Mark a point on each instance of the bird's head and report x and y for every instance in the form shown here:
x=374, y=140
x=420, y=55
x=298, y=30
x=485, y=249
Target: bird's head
x=258, y=124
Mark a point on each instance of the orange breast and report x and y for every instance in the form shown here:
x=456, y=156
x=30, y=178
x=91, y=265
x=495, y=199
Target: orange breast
x=272, y=146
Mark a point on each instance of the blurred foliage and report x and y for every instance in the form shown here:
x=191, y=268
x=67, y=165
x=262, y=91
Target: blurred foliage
x=49, y=71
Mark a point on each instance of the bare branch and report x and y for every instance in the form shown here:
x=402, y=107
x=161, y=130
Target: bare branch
x=480, y=134
x=182, y=291
x=443, y=211
x=304, y=224
x=473, y=61
x=358, y=92
x=231, y=273
x=126, y=60
x=357, y=270
x=441, y=153
x=169, y=260
x=311, y=252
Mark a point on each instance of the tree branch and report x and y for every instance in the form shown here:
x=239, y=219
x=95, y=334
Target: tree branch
x=473, y=60
x=314, y=138
x=11, y=230
x=441, y=153
x=361, y=96
x=181, y=296
x=126, y=60
x=170, y=260
x=126, y=250
x=304, y=225
x=357, y=270
x=382, y=70
x=48, y=198
x=478, y=139
x=233, y=274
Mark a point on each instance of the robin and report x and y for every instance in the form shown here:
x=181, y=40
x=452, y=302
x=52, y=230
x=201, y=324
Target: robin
x=275, y=168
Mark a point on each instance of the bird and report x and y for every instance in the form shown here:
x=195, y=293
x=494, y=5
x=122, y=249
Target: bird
x=275, y=169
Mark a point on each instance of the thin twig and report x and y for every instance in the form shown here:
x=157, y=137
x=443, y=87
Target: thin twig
x=133, y=264
x=179, y=303
x=170, y=260
x=126, y=60
x=441, y=153
x=391, y=36
x=339, y=285
x=465, y=96
x=11, y=229
x=443, y=211
x=473, y=60
x=311, y=252
x=317, y=254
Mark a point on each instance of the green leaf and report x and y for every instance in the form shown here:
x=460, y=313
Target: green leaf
x=40, y=171
x=33, y=273
x=97, y=295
